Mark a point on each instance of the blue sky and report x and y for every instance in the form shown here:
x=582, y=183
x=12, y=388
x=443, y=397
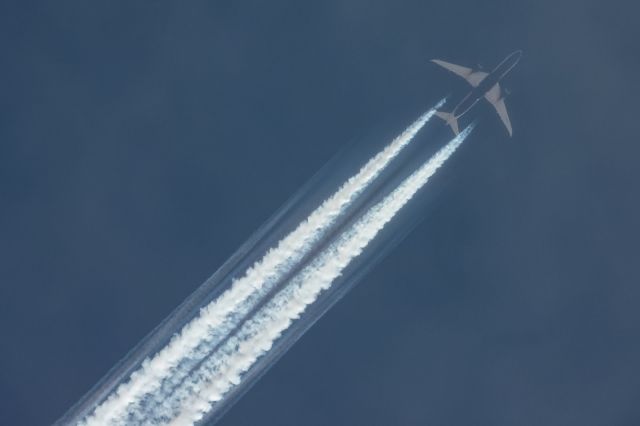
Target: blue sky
x=141, y=144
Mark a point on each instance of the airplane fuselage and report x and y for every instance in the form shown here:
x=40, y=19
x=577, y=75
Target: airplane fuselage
x=490, y=80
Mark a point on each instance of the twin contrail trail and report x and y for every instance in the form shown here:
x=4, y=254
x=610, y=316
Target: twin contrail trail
x=208, y=356
x=224, y=368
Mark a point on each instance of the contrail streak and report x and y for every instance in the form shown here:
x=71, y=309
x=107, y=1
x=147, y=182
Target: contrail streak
x=224, y=369
x=216, y=320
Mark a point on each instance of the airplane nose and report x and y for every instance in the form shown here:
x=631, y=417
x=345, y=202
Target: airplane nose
x=514, y=57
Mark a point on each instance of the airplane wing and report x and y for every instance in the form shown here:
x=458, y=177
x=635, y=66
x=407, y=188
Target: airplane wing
x=495, y=98
x=473, y=77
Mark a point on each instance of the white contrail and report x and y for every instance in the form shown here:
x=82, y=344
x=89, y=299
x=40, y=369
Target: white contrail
x=217, y=319
x=225, y=368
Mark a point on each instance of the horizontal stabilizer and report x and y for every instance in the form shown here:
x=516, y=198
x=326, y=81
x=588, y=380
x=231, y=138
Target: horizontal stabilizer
x=450, y=119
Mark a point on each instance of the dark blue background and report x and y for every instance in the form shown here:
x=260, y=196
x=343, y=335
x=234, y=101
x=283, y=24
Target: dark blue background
x=142, y=142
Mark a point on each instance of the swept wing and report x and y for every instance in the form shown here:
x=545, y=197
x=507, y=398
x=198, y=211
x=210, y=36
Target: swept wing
x=473, y=77
x=495, y=98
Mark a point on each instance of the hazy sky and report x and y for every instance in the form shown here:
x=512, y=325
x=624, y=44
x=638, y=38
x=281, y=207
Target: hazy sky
x=142, y=142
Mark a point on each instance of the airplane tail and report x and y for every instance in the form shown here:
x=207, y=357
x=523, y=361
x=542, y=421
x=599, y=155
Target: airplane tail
x=450, y=119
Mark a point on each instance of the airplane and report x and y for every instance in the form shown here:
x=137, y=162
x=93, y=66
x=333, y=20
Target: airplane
x=485, y=85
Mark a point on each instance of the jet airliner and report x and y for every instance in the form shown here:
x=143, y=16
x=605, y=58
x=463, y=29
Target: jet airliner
x=485, y=85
